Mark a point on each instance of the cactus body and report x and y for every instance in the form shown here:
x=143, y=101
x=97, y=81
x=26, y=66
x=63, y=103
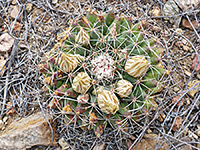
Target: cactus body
x=106, y=70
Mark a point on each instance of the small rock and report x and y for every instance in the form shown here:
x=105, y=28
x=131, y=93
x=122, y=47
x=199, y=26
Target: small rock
x=192, y=135
x=100, y=147
x=187, y=4
x=179, y=30
x=3, y=128
x=187, y=101
x=29, y=7
x=63, y=144
x=14, y=13
x=184, y=41
x=27, y=132
x=176, y=89
x=162, y=116
x=6, y=42
x=54, y=1
x=191, y=84
x=1, y=124
x=2, y=67
x=179, y=44
x=155, y=12
x=171, y=9
x=5, y=119
x=166, y=32
x=11, y=110
x=186, y=48
x=188, y=73
x=156, y=29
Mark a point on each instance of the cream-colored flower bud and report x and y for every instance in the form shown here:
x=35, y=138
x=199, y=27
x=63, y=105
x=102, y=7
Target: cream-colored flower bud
x=83, y=37
x=136, y=66
x=124, y=88
x=81, y=83
x=68, y=62
x=108, y=102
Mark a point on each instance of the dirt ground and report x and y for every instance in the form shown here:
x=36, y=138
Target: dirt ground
x=34, y=26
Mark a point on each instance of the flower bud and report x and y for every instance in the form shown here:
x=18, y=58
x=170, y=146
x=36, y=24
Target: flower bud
x=136, y=66
x=83, y=37
x=124, y=88
x=68, y=62
x=81, y=83
x=108, y=102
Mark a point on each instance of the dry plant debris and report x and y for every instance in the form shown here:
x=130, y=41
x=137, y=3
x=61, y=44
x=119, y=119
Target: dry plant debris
x=195, y=85
x=39, y=24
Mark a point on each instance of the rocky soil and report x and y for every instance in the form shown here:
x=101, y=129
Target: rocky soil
x=28, y=29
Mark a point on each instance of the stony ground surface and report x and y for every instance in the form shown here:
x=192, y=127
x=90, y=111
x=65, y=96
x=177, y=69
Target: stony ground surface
x=28, y=29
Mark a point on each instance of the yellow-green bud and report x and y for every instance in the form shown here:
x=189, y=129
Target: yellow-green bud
x=124, y=88
x=136, y=66
x=68, y=62
x=108, y=102
x=81, y=83
x=83, y=37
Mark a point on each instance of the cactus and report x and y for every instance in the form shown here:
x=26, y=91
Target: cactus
x=103, y=71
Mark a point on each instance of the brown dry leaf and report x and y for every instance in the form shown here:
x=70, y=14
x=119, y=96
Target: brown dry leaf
x=12, y=110
x=16, y=26
x=177, y=124
x=194, y=63
x=186, y=24
x=149, y=142
x=2, y=63
x=176, y=98
x=6, y=42
x=191, y=84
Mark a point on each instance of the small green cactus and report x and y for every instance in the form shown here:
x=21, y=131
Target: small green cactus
x=103, y=71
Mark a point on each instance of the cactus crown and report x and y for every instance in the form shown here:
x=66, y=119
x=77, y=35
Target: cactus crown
x=103, y=71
